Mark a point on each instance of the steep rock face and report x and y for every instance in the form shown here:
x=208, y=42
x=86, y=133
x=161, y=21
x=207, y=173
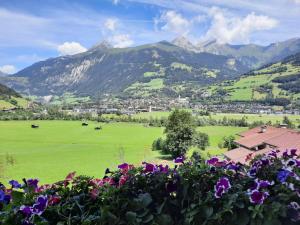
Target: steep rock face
x=103, y=69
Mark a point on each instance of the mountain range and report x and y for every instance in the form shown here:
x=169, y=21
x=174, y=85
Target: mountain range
x=251, y=55
x=163, y=68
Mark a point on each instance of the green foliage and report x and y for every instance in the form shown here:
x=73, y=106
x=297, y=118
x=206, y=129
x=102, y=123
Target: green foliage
x=201, y=140
x=159, y=195
x=180, y=130
x=228, y=142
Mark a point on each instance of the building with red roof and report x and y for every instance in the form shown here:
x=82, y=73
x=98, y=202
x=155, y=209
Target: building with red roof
x=261, y=140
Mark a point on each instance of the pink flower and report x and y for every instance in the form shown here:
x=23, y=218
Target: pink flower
x=94, y=193
x=123, y=180
x=69, y=178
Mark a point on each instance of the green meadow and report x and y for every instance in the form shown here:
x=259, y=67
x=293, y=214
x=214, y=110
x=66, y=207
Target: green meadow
x=58, y=147
x=274, y=118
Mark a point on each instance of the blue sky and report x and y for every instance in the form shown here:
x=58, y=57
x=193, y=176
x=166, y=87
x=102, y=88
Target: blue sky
x=34, y=30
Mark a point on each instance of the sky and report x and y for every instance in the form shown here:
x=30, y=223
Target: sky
x=34, y=30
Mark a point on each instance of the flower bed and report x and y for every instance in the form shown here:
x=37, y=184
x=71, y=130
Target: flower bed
x=194, y=192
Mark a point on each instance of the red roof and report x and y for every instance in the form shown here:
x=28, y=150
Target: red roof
x=275, y=138
x=254, y=137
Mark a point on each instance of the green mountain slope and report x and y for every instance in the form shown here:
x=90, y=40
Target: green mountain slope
x=279, y=80
x=10, y=99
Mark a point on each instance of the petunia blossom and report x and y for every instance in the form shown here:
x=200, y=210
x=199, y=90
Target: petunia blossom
x=15, y=184
x=222, y=186
x=40, y=205
x=258, y=197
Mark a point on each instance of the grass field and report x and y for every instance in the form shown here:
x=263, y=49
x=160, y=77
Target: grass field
x=216, y=134
x=218, y=116
x=58, y=147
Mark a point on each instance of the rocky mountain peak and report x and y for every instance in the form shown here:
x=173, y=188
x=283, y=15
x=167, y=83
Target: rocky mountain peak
x=103, y=45
x=184, y=42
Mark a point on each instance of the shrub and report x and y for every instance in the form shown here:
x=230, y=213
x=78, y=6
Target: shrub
x=196, y=192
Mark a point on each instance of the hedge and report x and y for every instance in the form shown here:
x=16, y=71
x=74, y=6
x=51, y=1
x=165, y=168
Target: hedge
x=211, y=192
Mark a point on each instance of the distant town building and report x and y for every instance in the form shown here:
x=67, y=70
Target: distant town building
x=261, y=140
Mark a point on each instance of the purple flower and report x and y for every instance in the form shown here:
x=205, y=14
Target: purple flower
x=26, y=210
x=291, y=153
x=163, y=169
x=294, y=211
x=252, y=171
x=233, y=167
x=273, y=153
x=282, y=175
x=258, y=197
x=149, y=167
x=291, y=162
x=212, y=161
x=222, y=186
x=179, y=159
x=4, y=197
x=294, y=152
x=219, y=192
x=40, y=205
x=261, y=184
x=265, y=161
x=171, y=186
x=33, y=183
x=123, y=166
x=15, y=184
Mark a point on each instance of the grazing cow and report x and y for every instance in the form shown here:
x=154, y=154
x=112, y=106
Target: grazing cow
x=34, y=126
x=84, y=124
x=98, y=128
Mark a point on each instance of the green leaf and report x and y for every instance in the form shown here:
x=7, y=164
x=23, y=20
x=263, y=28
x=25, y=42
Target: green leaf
x=146, y=199
x=164, y=219
x=208, y=211
x=131, y=216
x=17, y=197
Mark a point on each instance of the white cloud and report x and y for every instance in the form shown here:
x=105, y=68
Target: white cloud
x=115, y=2
x=111, y=24
x=9, y=69
x=122, y=41
x=232, y=29
x=296, y=1
x=173, y=22
x=70, y=48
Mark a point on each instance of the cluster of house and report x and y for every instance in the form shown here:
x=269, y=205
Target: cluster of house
x=261, y=140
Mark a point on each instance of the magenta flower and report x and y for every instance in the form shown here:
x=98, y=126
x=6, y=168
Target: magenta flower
x=149, y=167
x=222, y=186
x=258, y=197
x=123, y=166
x=163, y=169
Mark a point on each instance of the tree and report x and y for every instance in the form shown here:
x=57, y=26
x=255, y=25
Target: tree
x=228, y=142
x=180, y=130
x=201, y=140
x=288, y=122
